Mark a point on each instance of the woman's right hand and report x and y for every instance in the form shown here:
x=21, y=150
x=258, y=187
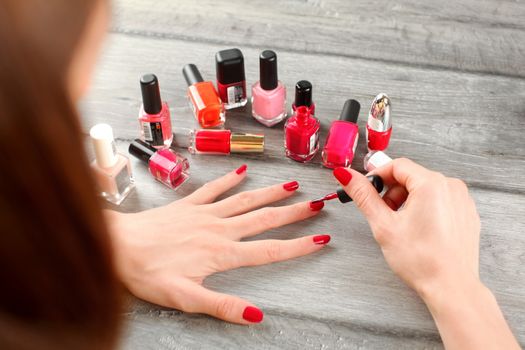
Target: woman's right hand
x=428, y=229
x=434, y=239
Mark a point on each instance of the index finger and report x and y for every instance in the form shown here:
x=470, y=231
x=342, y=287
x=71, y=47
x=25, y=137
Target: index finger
x=404, y=172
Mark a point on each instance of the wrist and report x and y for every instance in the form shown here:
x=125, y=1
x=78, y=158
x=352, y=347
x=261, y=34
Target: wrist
x=453, y=294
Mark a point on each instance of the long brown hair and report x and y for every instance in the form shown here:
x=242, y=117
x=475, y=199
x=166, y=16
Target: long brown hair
x=57, y=284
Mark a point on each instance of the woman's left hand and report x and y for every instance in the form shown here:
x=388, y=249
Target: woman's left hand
x=164, y=254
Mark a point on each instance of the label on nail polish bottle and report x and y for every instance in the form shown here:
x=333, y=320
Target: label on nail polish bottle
x=235, y=94
x=153, y=133
x=314, y=139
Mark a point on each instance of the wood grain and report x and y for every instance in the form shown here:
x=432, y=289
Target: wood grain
x=485, y=36
x=455, y=74
x=462, y=124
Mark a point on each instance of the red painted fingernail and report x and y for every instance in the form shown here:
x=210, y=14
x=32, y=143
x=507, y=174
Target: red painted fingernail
x=291, y=186
x=343, y=176
x=322, y=239
x=252, y=314
x=241, y=169
x=317, y=205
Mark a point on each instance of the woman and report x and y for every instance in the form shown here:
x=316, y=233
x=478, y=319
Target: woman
x=61, y=255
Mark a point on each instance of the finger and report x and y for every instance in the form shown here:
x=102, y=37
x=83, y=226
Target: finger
x=395, y=197
x=249, y=200
x=404, y=172
x=222, y=306
x=364, y=195
x=269, y=251
x=211, y=190
x=268, y=218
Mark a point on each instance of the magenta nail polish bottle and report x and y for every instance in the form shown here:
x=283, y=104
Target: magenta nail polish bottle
x=341, y=142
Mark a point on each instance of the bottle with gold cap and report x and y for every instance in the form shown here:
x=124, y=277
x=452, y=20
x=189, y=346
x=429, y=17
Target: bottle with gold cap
x=221, y=142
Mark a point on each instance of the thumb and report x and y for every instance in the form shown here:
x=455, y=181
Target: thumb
x=364, y=195
x=223, y=306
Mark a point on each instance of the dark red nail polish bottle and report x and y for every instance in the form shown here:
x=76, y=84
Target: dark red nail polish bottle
x=231, y=80
x=301, y=139
x=341, y=142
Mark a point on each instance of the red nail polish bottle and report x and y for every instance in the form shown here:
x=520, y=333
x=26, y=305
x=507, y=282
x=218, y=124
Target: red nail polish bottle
x=379, y=125
x=301, y=140
x=303, y=96
x=341, y=142
x=203, y=98
x=231, y=80
x=220, y=142
x=165, y=165
x=154, y=116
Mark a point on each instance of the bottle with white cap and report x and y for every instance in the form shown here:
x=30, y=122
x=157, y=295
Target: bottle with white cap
x=375, y=159
x=112, y=169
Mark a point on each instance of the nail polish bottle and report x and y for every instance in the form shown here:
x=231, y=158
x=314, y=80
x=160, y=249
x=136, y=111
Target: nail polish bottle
x=268, y=94
x=301, y=139
x=165, y=165
x=112, y=169
x=154, y=116
x=231, y=80
x=303, y=96
x=220, y=142
x=379, y=125
x=375, y=159
x=203, y=98
x=341, y=142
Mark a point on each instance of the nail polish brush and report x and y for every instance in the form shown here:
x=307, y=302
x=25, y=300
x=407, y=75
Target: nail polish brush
x=343, y=197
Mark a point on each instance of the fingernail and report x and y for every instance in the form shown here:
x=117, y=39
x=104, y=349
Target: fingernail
x=317, y=205
x=252, y=314
x=241, y=169
x=343, y=176
x=291, y=186
x=322, y=239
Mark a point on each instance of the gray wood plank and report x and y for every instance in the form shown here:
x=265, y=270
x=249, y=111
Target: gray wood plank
x=162, y=329
x=462, y=124
x=348, y=283
x=486, y=36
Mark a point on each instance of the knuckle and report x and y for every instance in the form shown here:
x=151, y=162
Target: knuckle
x=402, y=162
x=273, y=251
x=382, y=233
x=245, y=199
x=223, y=307
x=361, y=195
x=267, y=218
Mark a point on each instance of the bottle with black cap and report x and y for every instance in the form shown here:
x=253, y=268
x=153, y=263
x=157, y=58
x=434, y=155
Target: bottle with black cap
x=268, y=94
x=303, y=96
x=154, y=115
x=165, y=165
x=231, y=79
x=203, y=98
x=341, y=142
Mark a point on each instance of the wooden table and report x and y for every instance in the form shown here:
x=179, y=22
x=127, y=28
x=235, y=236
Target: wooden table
x=456, y=74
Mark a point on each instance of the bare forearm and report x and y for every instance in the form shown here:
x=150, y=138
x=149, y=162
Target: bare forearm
x=468, y=317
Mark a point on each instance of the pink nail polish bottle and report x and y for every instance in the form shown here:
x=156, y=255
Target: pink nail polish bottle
x=165, y=165
x=154, y=116
x=301, y=135
x=341, y=142
x=268, y=94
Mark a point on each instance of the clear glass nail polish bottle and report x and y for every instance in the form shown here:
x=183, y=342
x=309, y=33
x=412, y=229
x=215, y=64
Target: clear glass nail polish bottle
x=112, y=169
